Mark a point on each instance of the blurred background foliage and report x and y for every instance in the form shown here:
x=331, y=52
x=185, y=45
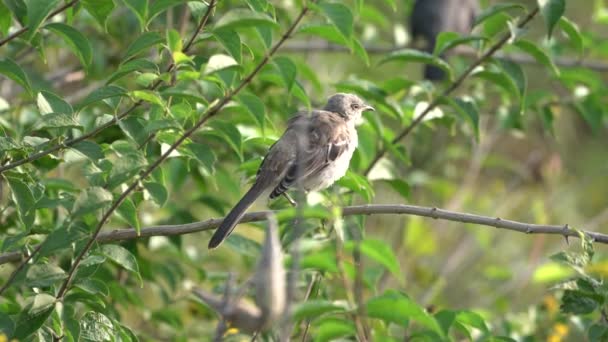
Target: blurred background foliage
x=524, y=139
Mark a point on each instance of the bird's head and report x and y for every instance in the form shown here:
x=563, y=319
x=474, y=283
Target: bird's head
x=349, y=106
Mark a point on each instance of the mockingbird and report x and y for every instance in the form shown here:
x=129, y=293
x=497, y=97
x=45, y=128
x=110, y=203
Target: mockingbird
x=313, y=152
x=431, y=17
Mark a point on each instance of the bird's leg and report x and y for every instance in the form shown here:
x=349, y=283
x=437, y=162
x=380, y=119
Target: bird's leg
x=290, y=200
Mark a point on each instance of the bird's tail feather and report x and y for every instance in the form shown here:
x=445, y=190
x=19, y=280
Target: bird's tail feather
x=235, y=215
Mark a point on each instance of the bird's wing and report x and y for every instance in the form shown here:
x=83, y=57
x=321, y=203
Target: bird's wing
x=327, y=138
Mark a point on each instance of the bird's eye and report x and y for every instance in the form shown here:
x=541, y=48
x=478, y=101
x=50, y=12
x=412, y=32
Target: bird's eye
x=355, y=106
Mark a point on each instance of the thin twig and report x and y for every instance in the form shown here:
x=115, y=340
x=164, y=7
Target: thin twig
x=369, y=209
x=115, y=119
x=25, y=29
x=453, y=86
x=211, y=112
x=316, y=278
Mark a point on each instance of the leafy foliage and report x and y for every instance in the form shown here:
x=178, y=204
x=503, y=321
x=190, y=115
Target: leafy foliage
x=145, y=114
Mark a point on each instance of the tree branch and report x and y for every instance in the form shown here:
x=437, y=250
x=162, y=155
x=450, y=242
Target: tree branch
x=25, y=29
x=561, y=61
x=453, y=86
x=119, y=235
x=114, y=120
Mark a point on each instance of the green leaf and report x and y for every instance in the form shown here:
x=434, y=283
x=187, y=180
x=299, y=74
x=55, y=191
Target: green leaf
x=580, y=302
x=75, y=40
x=380, y=252
x=92, y=286
x=89, y=149
x=44, y=275
x=23, y=196
x=18, y=8
x=128, y=212
x=35, y=312
x=148, y=96
x=287, y=69
x=174, y=41
x=360, y=51
x=231, y=41
x=102, y=93
x=472, y=319
x=37, y=11
x=449, y=40
x=332, y=329
x=230, y=134
x=96, y=327
x=157, y=191
x=5, y=19
x=91, y=199
x=143, y=42
x=324, y=260
x=63, y=238
x=327, y=32
x=518, y=77
x=340, y=16
x=311, y=309
x=131, y=66
x=400, y=186
x=358, y=184
x=537, y=53
x=57, y=120
x=255, y=106
x=468, y=109
x=51, y=103
x=496, y=9
x=552, y=11
x=122, y=257
x=241, y=17
x=140, y=9
x=573, y=33
x=396, y=308
x=592, y=111
x=13, y=71
x=203, y=154
x=100, y=10
x=409, y=55
x=159, y=6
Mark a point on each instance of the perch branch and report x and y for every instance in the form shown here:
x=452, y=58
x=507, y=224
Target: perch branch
x=119, y=235
x=453, y=86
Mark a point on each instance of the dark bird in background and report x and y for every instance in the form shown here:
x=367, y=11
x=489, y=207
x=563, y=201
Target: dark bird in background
x=327, y=138
x=431, y=17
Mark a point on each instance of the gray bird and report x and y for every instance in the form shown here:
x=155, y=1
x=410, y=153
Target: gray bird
x=431, y=17
x=329, y=139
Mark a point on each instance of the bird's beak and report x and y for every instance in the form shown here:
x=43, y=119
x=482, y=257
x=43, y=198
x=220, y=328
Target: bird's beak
x=367, y=107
